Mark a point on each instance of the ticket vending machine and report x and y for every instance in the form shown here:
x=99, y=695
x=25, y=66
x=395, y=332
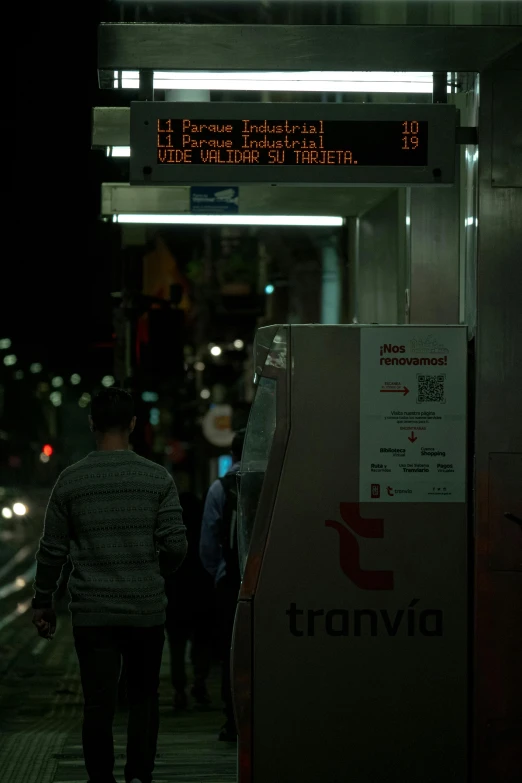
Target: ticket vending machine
x=350, y=650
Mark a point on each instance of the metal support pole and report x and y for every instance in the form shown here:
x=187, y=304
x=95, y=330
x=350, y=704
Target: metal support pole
x=146, y=85
x=331, y=283
x=440, y=92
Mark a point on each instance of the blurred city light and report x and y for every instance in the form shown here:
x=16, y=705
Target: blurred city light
x=199, y=366
x=216, y=350
x=10, y=359
x=19, y=375
x=5, y=344
x=269, y=289
x=76, y=379
x=20, y=582
x=19, y=509
x=56, y=398
x=84, y=400
x=57, y=382
x=21, y=608
x=149, y=396
x=7, y=513
x=47, y=450
x=44, y=458
x=233, y=220
x=35, y=368
x=239, y=345
x=154, y=416
x=205, y=394
x=107, y=381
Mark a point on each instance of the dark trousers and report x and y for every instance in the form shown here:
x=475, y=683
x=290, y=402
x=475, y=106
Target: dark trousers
x=226, y=602
x=100, y=653
x=198, y=630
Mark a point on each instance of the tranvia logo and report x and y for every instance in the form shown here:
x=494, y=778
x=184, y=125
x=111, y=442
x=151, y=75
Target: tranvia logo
x=411, y=620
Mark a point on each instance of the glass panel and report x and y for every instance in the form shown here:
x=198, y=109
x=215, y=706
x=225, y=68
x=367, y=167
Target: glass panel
x=256, y=452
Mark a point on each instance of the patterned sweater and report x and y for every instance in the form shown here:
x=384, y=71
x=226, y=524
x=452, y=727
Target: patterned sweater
x=117, y=516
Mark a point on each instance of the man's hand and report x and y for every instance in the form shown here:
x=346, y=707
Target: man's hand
x=45, y=622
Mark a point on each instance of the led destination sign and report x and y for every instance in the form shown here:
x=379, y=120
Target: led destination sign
x=309, y=144
x=284, y=142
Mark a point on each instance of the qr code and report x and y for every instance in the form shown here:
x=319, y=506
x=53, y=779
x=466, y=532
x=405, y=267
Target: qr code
x=431, y=388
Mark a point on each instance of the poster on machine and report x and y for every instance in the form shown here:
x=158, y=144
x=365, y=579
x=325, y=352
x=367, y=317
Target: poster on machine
x=413, y=414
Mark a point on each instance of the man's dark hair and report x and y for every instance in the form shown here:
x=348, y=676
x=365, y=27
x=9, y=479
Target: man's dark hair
x=112, y=409
x=237, y=444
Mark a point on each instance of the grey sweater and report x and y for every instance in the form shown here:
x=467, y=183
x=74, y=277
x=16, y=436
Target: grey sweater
x=117, y=516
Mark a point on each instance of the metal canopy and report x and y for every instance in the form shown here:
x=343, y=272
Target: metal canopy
x=121, y=198
x=303, y=47
x=110, y=126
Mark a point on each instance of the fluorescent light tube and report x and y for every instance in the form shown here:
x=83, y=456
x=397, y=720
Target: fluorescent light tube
x=291, y=81
x=232, y=220
x=118, y=152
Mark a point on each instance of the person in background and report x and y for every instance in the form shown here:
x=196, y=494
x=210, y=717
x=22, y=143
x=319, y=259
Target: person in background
x=190, y=615
x=219, y=555
x=118, y=517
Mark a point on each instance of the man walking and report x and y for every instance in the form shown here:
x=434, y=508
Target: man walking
x=117, y=516
x=219, y=555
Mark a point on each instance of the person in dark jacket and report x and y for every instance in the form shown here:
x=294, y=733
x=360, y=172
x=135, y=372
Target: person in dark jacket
x=190, y=614
x=220, y=525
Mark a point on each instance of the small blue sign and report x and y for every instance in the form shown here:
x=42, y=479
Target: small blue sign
x=214, y=200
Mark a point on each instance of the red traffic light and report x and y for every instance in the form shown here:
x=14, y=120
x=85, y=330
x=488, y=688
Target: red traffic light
x=47, y=450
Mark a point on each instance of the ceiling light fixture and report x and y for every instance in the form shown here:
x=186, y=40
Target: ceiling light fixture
x=286, y=81
x=233, y=220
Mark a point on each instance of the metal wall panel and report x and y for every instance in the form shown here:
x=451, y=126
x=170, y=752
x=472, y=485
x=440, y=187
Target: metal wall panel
x=507, y=139
x=461, y=12
x=434, y=232
x=498, y=428
x=505, y=496
x=110, y=126
x=378, y=264
x=302, y=47
x=498, y=755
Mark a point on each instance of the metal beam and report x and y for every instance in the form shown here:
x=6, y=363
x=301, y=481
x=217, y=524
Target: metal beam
x=121, y=198
x=110, y=126
x=303, y=47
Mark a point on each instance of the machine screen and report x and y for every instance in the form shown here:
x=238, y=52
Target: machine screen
x=224, y=465
x=256, y=452
x=282, y=142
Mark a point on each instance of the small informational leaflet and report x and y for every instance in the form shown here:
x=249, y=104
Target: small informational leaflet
x=413, y=414
x=214, y=200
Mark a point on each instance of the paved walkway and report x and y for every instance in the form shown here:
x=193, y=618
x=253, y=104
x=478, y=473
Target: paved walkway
x=40, y=691
x=40, y=722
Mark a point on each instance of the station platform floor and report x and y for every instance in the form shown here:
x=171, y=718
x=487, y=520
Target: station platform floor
x=40, y=723
x=41, y=697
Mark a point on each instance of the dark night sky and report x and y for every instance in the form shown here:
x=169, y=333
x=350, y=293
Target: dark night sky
x=53, y=271
x=55, y=275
